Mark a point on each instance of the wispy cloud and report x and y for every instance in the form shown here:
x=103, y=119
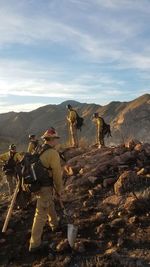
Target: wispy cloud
x=72, y=49
x=23, y=79
x=95, y=44
x=142, y=6
x=7, y=107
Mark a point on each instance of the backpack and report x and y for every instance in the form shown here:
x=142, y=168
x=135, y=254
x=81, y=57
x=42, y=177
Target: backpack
x=80, y=121
x=106, y=128
x=36, y=145
x=34, y=174
x=9, y=167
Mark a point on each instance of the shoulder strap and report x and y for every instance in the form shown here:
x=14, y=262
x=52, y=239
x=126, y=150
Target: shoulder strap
x=11, y=156
x=77, y=115
x=44, y=148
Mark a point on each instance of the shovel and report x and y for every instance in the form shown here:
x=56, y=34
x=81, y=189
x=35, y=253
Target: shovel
x=72, y=230
x=10, y=210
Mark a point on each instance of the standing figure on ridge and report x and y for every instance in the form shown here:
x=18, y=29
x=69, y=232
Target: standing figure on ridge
x=72, y=120
x=99, y=129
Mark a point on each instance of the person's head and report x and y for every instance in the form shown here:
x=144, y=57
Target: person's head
x=69, y=107
x=12, y=148
x=95, y=115
x=32, y=136
x=50, y=137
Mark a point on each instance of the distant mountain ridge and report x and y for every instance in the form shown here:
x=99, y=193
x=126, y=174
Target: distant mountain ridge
x=127, y=120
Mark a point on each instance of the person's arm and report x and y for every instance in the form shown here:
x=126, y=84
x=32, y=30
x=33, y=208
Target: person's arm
x=73, y=116
x=30, y=148
x=18, y=157
x=4, y=157
x=94, y=121
x=68, y=119
x=56, y=171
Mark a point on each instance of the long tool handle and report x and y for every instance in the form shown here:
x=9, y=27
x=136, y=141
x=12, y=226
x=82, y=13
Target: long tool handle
x=64, y=210
x=135, y=195
x=10, y=208
x=62, y=206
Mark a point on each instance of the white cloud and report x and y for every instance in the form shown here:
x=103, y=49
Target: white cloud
x=142, y=6
x=135, y=61
x=94, y=43
x=24, y=79
x=113, y=33
x=7, y=107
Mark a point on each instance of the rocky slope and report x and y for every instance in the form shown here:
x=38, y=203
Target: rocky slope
x=106, y=194
x=127, y=119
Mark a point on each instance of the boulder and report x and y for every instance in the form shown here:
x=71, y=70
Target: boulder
x=146, y=148
x=79, y=247
x=114, y=200
x=92, y=179
x=126, y=182
x=109, y=181
x=117, y=223
x=138, y=147
x=62, y=246
x=132, y=143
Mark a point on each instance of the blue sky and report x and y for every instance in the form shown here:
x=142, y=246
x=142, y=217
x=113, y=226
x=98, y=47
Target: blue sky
x=93, y=51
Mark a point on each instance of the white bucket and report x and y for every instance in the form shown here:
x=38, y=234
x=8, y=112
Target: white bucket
x=72, y=234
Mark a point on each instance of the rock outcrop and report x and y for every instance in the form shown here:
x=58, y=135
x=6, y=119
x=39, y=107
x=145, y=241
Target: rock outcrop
x=106, y=194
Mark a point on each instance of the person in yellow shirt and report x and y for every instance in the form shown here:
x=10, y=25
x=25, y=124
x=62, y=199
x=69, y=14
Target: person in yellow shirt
x=33, y=144
x=72, y=120
x=45, y=208
x=10, y=159
x=99, y=125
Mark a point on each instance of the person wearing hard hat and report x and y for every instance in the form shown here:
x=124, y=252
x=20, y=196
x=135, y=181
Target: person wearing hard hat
x=99, y=125
x=45, y=208
x=33, y=144
x=10, y=159
x=72, y=119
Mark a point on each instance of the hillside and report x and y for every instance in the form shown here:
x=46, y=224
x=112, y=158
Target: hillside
x=127, y=119
x=106, y=194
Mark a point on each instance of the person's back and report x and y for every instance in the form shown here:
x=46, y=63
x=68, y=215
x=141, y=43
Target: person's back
x=99, y=123
x=51, y=160
x=72, y=116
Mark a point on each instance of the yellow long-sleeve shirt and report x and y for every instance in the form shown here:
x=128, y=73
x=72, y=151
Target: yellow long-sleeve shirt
x=99, y=123
x=72, y=116
x=5, y=156
x=31, y=148
x=51, y=159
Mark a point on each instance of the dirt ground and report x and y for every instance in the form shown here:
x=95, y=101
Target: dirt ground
x=113, y=229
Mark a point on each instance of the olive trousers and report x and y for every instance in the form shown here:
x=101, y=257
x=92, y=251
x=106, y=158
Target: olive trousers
x=11, y=183
x=45, y=210
x=73, y=135
x=100, y=138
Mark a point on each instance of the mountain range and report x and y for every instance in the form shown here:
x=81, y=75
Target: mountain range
x=127, y=120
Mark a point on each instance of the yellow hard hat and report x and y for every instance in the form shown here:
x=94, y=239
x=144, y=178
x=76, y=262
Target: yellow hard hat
x=12, y=147
x=31, y=136
x=50, y=133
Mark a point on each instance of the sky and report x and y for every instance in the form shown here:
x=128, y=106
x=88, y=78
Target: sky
x=93, y=51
